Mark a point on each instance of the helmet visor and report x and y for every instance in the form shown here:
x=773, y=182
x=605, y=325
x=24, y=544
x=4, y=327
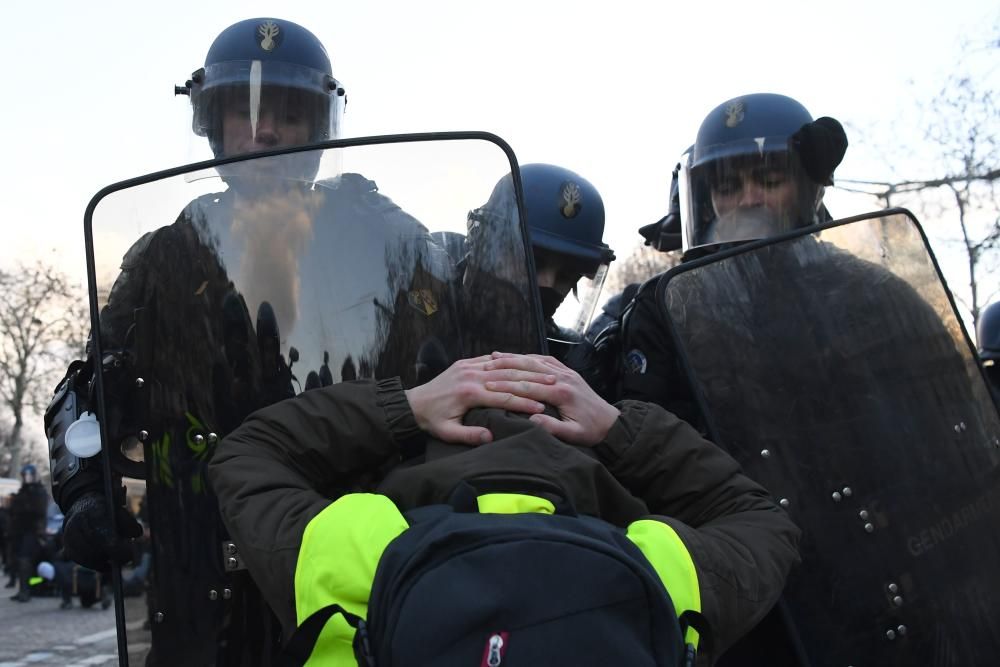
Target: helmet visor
x=249, y=106
x=576, y=280
x=577, y=309
x=744, y=197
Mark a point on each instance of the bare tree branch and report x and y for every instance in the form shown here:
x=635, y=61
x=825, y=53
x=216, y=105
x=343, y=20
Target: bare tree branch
x=962, y=129
x=642, y=264
x=43, y=325
x=916, y=186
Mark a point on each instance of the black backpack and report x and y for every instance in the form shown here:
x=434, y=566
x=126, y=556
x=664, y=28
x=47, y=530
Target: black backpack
x=463, y=588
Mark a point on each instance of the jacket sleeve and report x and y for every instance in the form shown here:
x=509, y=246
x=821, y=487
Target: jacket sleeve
x=287, y=462
x=742, y=544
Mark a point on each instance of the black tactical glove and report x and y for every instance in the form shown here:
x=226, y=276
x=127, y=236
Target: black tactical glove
x=88, y=537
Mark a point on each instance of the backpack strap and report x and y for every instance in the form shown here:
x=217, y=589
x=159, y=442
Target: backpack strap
x=337, y=560
x=298, y=649
x=692, y=619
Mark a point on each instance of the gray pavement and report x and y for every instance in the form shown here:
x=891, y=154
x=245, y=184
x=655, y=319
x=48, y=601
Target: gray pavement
x=40, y=634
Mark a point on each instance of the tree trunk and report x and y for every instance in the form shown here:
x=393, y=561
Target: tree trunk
x=14, y=445
x=971, y=254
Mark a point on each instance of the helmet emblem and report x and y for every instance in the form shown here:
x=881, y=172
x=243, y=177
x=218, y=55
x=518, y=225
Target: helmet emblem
x=734, y=113
x=571, y=197
x=268, y=30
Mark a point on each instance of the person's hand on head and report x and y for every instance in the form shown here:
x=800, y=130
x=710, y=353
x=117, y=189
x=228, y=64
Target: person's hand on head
x=439, y=405
x=585, y=417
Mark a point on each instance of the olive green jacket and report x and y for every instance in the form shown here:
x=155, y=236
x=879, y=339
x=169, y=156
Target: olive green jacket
x=289, y=461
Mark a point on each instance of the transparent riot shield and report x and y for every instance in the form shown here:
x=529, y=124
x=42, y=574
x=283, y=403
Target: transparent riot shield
x=833, y=367
x=224, y=287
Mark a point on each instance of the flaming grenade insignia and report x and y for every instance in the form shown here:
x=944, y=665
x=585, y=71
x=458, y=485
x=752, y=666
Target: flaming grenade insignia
x=734, y=113
x=423, y=301
x=269, y=31
x=570, y=204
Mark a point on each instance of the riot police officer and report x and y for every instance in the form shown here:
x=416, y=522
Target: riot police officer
x=565, y=221
x=758, y=170
x=759, y=167
x=266, y=83
x=988, y=337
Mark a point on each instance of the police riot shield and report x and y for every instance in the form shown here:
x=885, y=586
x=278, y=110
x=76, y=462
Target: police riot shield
x=223, y=287
x=832, y=365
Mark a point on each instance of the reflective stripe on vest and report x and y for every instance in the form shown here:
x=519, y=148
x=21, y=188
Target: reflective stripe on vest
x=340, y=550
x=666, y=552
x=513, y=503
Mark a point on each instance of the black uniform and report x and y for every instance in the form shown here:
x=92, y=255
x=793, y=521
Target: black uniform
x=28, y=515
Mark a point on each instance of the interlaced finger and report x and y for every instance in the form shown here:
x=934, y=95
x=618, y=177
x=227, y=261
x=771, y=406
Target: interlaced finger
x=536, y=364
x=518, y=375
x=527, y=390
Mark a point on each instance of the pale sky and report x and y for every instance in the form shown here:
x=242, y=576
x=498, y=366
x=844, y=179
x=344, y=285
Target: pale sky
x=614, y=91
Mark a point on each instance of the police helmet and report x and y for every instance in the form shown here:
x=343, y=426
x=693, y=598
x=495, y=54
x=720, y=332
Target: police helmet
x=565, y=221
x=758, y=168
x=265, y=66
x=29, y=469
x=565, y=215
x=988, y=333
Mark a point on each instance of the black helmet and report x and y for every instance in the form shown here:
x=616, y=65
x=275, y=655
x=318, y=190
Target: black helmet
x=757, y=168
x=988, y=333
x=265, y=65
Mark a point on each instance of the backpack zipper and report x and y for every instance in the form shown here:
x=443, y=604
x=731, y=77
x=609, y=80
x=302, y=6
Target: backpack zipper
x=495, y=656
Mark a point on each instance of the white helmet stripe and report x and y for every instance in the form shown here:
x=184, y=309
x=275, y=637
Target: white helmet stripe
x=255, y=78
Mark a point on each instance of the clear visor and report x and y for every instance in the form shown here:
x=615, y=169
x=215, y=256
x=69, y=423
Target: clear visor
x=245, y=107
x=744, y=198
x=578, y=283
x=577, y=309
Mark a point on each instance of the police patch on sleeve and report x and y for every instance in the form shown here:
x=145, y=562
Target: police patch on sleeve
x=635, y=362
